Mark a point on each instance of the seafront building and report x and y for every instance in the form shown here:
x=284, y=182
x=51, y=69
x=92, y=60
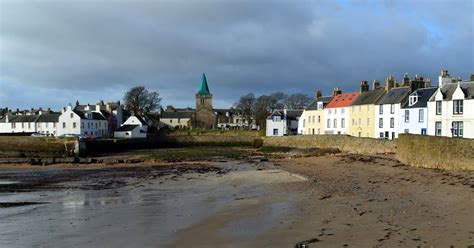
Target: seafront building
x=311, y=121
x=362, y=111
x=416, y=108
x=336, y=112
x=451, y=108
x=283, y=122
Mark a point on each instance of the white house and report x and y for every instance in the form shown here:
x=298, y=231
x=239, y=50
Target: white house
x=283, y=122
x=336, y=113
x=451, y=109
x=47, y=124
x=387, y=112
x=311, y=121
x=18, y=123
x=134, y=127
x=89, y=123
x=414, y=113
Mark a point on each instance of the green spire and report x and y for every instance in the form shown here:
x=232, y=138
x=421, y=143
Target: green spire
x=203, y=88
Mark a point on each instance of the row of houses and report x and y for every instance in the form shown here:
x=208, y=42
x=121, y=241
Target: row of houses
x=410, y=106
x=90, y=121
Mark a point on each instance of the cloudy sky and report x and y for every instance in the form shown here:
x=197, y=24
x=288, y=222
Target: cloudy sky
x=54, y=52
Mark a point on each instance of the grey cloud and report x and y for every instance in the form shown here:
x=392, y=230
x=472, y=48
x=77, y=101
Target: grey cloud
x=243, y=46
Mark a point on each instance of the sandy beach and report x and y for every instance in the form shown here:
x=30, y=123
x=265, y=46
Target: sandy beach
x=341, y=200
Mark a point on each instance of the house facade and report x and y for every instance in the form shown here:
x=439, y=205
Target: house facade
x=134, y=127
x=88, y=123
x=362, y=111
x=312, y=119
x=414, y=112
x=283, y=122
x=451, y=110
x=388, y=113
x=336, y=112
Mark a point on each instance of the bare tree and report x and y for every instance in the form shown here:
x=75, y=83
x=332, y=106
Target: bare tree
x=246, y=105
x=297, y=101
x=141, y=101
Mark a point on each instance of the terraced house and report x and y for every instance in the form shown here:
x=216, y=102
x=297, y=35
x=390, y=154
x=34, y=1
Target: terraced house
x=362, y=111
x=311, y=121
x=451, y=108
x=414, y=117
x=337, y=112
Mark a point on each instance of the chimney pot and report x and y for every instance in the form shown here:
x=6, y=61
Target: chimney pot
x=318, y=94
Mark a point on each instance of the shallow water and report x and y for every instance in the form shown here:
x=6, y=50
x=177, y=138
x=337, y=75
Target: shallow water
x=146, y=214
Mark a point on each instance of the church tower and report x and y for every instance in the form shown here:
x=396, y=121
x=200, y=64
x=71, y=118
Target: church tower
x=204, y=116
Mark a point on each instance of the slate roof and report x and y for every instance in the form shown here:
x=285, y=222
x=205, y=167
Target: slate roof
x=177, y=115
x=126, y=128
x=95, y=115
x=395, y=95
x=449, y=89
x=290, y=114
x=369, y=97
x=3, y=119
x=49, y=117
x=24, y=118
x=423, y=97
x=314, y=104
x=343, y=100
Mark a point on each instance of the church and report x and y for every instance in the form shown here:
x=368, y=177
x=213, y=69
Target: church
x=203, y=116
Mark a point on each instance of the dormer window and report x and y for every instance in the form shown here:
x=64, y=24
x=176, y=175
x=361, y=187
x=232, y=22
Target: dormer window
x=320, y=105
x=276, y=118
x=458, y=107
x=413, y=99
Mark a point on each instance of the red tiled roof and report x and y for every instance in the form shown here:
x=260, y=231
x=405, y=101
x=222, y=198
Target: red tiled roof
x=343, y=100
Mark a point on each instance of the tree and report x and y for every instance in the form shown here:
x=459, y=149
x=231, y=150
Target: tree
x=246, y=105
x=297, y=101
x=141, y=101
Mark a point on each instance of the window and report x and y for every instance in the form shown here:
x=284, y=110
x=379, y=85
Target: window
x=73, y=125
x=380, y=122
x=392, y=108
x=313, y=118
x=392, y=122
x=352, y=109
x=438, y=107
x=343, y=111
x=320, y=105
x=421, y=116
x=64, y=124
x=381, y=135
x=304, y=122
x=29, y=125
x=413, y=99
x=23, y=125
x=72, y=115
x=457, y=107
x=46, y=125
x=171, y=121
x=54, y=124
x=319, y=119
x=360, y=108
x=381, y=109
x=335, y=123
x=329, y=111
x=179, y=120
x=335, y=111
x=275, y=131
x=96, y=125
x=353, y=122
x=438, y=128
x=457, y=128
x=329, y=123
x=407, y=115
x=13, y=125
x=360, y=122
x=277, y=118
x=368, y=122
x=343, y=123
x=368, y=108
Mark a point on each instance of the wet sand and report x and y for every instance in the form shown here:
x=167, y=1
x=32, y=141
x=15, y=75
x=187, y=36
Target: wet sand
x=327, y=201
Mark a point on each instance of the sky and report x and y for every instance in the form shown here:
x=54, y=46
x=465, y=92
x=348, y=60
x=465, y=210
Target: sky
x=54, y=52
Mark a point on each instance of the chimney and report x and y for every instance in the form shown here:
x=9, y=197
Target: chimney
x=69, y=107
x=318, y=94
x=406, y=80
x=389, y=83
x=444, y=73
x=336, y=91
x=97, y=107
x=77, y=103
x=472, y=77
x=40, y=112
x=364, y=86
x=375, y=84
x=6, y=118
x=427, y=83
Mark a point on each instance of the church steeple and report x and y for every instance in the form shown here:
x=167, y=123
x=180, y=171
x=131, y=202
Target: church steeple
x=204, y=88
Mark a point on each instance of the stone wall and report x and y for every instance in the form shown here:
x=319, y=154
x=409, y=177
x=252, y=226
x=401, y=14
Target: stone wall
x=436, y=152
x=27, y=146
x=344, y=143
